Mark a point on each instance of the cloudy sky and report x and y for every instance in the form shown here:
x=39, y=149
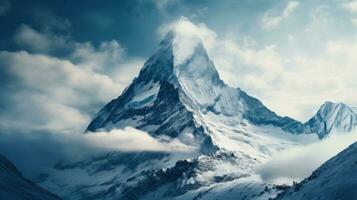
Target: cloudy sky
x=61, y=61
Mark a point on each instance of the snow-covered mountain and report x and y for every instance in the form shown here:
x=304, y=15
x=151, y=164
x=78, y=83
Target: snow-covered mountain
x=13, y=186
x=178, y=95
x=336, y=179
x=186, y=99
x=333, y=117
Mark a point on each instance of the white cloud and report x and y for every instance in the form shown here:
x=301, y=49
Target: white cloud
x=187, y=37
x=299, y=162
x=109, y=53
x=23, y=146
x=124, y=72
x=62, y=93
x=108, y=58
x=37, y=41
x=350, y=6
x=301, y=84
x=354, y=21
x=270, y=20
x=131, y=139
x=57, y=91
x=27, y=36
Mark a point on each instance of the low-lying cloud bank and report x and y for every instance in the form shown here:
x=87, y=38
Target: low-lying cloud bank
x=131, y=139
x=299, y=162
x=35, y=152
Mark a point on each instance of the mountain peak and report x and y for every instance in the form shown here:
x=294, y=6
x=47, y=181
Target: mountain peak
x=185, y=37
x=333, y=117
x=331, y=109
x=197, y=67
x=178, y=55
x=330, y=104
x=179, y=92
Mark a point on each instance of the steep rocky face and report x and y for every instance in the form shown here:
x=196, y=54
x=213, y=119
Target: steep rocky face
x=13, y=186
x=141, y=93
x=336, y=117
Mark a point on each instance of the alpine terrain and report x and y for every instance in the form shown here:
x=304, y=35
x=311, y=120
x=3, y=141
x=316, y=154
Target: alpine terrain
x=179, y=96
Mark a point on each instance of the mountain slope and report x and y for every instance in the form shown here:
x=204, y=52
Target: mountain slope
x=336, y=179
x=13, y=186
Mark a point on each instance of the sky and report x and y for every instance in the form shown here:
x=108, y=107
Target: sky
x=292, y=55
x=67, y=59
x=61, y=61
